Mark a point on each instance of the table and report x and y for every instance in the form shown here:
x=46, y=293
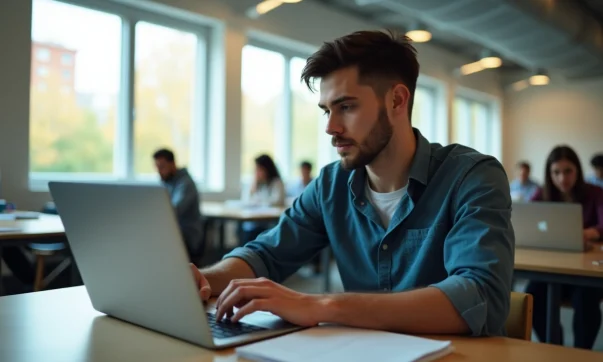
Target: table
x=46, y=229
x=218, y=213
x=556, y=268
x=60, y=325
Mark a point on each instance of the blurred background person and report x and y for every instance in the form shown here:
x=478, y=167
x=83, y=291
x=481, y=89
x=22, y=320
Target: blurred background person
x=184, y=198
x=267, y=189
x=297, y=187
x=523, y=188
x=564, y=182
x=597, y=164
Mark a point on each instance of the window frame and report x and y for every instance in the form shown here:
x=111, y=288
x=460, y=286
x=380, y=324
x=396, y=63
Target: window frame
x=438, y=122
x=123, y=148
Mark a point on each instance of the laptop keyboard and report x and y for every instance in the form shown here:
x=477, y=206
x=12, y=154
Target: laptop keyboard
x=226, y=329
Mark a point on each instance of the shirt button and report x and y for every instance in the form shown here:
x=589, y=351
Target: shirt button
x=384, y=247
x=361, y=203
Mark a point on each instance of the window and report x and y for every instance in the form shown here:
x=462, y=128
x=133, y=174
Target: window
x=164, y=93
x=65, y=134
x=43, y=55
x=475, y=125
x=66, y=59
x=43, y=71
x=102, y=117
x=262, y=84
x=66, y=74
x=280, y=115
x=423, y=113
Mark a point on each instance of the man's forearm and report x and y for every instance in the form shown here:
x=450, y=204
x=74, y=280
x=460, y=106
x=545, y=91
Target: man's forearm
x=421, y=311
x=220, y=274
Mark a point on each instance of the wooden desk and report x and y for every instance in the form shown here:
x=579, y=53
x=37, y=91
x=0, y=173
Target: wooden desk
x=45, y=229
x=60, y=325
x=556, y=268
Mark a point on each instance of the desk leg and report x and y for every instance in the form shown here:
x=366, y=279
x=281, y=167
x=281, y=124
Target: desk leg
x=325, y=256
x=553, y=327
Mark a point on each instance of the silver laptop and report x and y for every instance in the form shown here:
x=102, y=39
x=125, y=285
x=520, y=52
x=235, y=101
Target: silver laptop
x=548, y=225
x=133, y=261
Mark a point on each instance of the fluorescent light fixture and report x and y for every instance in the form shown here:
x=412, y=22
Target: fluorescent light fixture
x=491, y=62
x=419, y=36
x=290, y=1
x=267, y=5
x=472, y=68
x=539, y=79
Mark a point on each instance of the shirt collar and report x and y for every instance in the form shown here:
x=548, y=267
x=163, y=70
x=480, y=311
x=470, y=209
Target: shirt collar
x=419, y=169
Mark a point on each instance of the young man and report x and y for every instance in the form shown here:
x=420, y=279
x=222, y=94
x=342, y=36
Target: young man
x=185, y=199
x=597, y=164
x=305, y=169
x=523, y=188
x=421, y=233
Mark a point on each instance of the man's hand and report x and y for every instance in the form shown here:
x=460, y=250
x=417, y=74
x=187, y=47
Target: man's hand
x=261, y=294
x=202, y=284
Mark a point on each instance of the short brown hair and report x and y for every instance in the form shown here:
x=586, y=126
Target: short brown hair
x=381, y=57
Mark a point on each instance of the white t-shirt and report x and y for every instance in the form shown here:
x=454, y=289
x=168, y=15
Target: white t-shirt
x=385, y=203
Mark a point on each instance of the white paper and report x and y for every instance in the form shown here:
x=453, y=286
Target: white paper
x=334, y=343
x=8, y=223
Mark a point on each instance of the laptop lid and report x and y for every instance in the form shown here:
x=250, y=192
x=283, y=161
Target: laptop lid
x=548, y=225
x=127, y=245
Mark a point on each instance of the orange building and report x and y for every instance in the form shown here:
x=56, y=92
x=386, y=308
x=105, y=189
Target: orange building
x=52, y=68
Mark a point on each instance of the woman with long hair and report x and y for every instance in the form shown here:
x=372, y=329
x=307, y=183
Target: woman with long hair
x=564, y=182
x=267, y=189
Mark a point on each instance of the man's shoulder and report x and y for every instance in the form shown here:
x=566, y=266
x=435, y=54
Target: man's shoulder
x=459, y=157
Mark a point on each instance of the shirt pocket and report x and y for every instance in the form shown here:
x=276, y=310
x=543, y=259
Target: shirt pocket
x=422, y=238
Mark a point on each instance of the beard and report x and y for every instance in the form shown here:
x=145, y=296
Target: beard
x=378, y=137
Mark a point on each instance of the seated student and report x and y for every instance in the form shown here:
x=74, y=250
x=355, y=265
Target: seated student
x=267, y=189
x=185, y=200
x=597, y=177
x=296, y=189
x=565, y=183
x=523, y=188
x=421, y=233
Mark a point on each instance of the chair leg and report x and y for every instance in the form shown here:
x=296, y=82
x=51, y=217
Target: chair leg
x=39, y=282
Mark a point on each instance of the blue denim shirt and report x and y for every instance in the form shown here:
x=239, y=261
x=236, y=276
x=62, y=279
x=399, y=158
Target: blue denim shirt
x=523, y=192
x=451, y=231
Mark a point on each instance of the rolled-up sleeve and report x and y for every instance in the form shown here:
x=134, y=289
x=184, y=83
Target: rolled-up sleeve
x=479, y=249
x=297, y=238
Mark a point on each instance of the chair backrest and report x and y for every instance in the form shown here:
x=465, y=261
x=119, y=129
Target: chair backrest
x=519, y=321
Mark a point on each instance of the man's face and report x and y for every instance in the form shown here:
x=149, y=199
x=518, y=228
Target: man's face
x=357, y=120
x=523, y=173
x=165, y=168
x=306, y=172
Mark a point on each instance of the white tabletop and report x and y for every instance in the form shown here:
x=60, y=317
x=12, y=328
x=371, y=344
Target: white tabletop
x=61, y=325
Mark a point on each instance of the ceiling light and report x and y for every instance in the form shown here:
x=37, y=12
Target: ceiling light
x=490, y=62
x=472, y=68
x=419, y=36
x=540, y=78
x=290, y=1
x=267, y=5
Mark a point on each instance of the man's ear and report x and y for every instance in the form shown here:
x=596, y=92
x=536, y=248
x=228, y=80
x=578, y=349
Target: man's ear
x=400, y=98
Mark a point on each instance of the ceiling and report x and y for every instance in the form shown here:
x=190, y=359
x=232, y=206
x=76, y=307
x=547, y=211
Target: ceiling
x=565, y=38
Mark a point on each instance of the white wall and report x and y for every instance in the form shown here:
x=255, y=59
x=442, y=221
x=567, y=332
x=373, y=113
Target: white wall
x=539, y=118
x=308, y=23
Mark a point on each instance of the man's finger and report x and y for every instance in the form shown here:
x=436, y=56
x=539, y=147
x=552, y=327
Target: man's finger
x=205, y=293
x=240, y=294
x=253, y=306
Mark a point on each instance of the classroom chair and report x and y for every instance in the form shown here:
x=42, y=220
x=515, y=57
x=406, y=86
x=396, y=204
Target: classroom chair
x=42, y=251
x=519, y=321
